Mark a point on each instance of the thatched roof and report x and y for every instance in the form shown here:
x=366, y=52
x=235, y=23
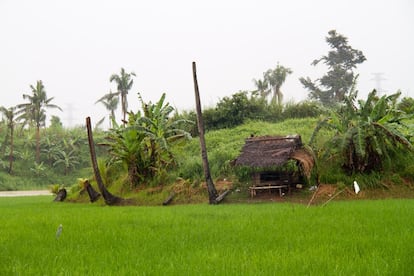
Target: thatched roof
x=306, y=161
x=268, y=151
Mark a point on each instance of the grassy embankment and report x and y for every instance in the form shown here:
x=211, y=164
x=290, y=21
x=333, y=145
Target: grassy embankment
x=223, y=146
x=342, y=238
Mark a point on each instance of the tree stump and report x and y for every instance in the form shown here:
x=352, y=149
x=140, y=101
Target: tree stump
x=93, y=195
x=61, y=195
x=222, y=196
x=169, y=199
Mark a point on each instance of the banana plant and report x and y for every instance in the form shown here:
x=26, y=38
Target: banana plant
x=143, y=144
x=69, y=160
x=366, y=132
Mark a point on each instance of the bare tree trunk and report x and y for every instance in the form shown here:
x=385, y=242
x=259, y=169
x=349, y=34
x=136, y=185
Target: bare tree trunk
x=110, y=199
x=124, y=106
x=37, y=144
x=279, y=96
x=212, y=192
x=169, y=199
x=11, y=156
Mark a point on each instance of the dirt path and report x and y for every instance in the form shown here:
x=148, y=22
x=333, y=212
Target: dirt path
x=24, y=193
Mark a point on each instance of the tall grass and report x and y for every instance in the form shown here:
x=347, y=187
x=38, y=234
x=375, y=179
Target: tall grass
x=342, y=238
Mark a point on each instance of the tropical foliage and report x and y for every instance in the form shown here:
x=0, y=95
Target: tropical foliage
x=361, y=135
x=10, y=115
x=69, y=160
x=234, y=110
x=275, y=78
x=407, y=105
x=366, y=133
x=262, y=87
x=110, y=101
x=124, y=83
x=143, y=144
x=34, y=111
x=243, y=106
x=272, y=82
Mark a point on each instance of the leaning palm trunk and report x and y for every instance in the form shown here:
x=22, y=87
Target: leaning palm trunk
x=110, y=199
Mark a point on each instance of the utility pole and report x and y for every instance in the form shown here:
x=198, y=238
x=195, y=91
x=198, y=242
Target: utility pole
x=378, y=79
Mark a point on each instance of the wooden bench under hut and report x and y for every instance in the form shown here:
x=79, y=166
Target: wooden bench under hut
x=277, y=162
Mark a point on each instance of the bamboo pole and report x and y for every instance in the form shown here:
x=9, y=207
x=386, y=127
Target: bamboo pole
x=313, y=196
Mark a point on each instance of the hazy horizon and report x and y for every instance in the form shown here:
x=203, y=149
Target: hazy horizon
x=74, y=47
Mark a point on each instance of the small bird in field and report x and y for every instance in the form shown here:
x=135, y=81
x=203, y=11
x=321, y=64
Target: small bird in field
x=59, y=231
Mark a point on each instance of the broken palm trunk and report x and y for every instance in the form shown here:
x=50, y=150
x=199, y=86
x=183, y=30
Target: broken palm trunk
x=169, y=199
x=109, y=198
x=212, y=192
x=61, y=195
x=93, y=195
x=221, y=197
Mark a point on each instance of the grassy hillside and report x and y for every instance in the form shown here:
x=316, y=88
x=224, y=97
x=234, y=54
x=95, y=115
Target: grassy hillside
x=225, y=145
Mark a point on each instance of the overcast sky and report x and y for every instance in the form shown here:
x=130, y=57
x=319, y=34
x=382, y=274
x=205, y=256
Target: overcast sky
x=74, y=46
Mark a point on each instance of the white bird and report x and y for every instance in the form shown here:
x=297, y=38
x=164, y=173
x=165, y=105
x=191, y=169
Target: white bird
x=59, y=231
x=356, y=187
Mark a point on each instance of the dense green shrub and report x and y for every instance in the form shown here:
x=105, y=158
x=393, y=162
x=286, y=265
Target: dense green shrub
x=407, y=105
x=240, y=107
x=302, y=109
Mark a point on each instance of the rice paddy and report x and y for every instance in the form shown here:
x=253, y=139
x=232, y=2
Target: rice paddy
x=342, y=238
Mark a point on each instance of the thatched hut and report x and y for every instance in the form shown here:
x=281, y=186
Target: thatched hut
x=267, y=154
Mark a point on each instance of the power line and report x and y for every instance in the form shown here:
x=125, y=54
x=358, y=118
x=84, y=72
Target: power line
x=69, y=117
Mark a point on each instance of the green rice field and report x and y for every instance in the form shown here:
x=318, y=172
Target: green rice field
x=341, y=238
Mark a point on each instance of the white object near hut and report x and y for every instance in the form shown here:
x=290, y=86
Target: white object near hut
x=356, y=187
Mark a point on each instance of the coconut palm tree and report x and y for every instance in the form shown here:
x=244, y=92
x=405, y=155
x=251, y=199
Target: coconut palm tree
x=276, y=77
x=10, y=114
x=110, y=101
x=34, y=111
x=124, y=83
x=262, y=87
